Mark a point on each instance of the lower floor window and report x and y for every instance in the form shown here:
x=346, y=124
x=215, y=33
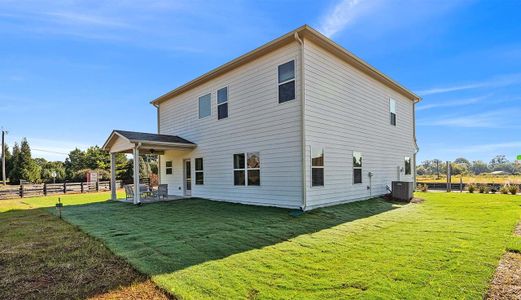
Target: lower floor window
x=357, y=167
x=317, y=166
x=408, y=165
x=199, y=171
x=246, y=169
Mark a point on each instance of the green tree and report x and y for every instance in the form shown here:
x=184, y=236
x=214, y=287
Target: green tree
x=53, y=166
x=24, y=167
x=479, y=167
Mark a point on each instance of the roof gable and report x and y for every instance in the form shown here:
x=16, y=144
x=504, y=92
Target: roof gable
x=303, y=31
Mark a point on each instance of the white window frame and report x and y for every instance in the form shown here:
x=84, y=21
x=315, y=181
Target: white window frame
x=171, y=168
x=226, y=102
x=199, y=106
x=361, y=168
x=392, y=111
x=198, y=171
x=405, y=165
x=289, y=80
x=246, y=168
x=318, y=167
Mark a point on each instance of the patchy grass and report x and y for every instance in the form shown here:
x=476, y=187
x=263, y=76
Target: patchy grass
x=43, y=257
x=446, y=247
x=507, y=280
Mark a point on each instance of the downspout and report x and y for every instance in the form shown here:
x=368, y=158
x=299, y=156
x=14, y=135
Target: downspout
x=415, y=141
x=302, y=121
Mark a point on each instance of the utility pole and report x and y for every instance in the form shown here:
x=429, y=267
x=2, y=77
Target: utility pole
x=4, y=180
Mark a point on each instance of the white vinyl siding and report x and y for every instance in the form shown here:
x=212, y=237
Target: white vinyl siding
x=346, y=111
x=256, y=123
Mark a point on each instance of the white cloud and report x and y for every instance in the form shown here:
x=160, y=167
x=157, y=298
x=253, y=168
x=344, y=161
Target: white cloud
x=451, y=103
x=499, y=81
x=504, y=118
x=342, y=14
x=490, y=148
x=86, y=19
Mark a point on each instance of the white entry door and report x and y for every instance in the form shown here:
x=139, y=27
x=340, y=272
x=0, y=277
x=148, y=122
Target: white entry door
x=187, y=177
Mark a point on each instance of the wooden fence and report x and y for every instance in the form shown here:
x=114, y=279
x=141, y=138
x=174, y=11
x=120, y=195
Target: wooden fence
x=44, y=189
x=458, y=186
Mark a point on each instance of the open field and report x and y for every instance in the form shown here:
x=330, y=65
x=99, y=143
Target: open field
x=497, y=179
x=446, y=247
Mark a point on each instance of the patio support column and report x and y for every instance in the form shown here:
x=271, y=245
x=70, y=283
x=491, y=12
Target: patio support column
x=113, y=176
x=136, y=175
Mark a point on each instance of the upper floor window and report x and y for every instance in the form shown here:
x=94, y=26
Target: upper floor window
x=222, y=103
x=199, y=171
x=408, y=165
x=168, y=168
x=392, y=111
x=287, y=81
x=357, y=167
x=205, y=106
x=317, y=166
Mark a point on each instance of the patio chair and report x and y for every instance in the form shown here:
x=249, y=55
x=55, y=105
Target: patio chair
x=129, y=191
x=162, y=191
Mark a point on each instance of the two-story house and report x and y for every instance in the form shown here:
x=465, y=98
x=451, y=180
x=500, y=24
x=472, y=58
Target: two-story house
x=298, y=122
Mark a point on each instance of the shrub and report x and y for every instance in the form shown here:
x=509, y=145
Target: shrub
x=504, y=189
x=513, y=189
x=471, y=188
x=423, y=188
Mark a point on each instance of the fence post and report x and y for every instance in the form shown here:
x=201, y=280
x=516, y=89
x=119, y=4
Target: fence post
x=81, y=187
x=21, y=190
x=45, y=189
x=65, y=187
x=461, y=184
x=97, y=186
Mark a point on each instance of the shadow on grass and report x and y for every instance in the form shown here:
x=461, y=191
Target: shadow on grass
x=165, y=237
x=42, y=257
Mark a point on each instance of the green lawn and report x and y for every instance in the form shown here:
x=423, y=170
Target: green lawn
x=445, y=247
x=48, y=201
x=43, y=257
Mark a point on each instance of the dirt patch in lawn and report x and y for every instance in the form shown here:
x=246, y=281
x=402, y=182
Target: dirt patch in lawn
x=142, y=291
x=43, y=257
x=507, y=280
x=517, y=230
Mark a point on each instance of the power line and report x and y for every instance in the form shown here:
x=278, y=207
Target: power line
x=49, y=151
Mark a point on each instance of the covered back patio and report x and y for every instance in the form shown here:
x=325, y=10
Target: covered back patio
x=138, y=143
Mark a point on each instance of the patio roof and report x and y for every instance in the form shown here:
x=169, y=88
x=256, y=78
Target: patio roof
x=122, y=141
x=125, y=141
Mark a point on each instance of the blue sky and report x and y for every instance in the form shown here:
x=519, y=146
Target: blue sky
x=71, y=71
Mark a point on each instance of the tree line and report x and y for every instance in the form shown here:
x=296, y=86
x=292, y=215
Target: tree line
x=462, y=166
x=21, y=166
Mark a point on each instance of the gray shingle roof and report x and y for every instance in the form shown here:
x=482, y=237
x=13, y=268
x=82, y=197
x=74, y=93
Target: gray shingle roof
x=152, y=137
